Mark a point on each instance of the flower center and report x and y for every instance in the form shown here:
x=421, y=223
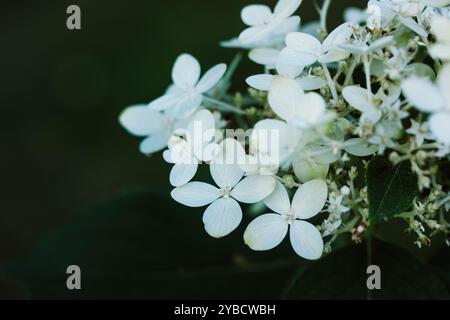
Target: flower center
x=225, y=192
x=290, y=217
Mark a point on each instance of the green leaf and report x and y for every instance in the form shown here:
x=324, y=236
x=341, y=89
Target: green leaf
x=342, y=275
x=391, y=190
x=141, y=245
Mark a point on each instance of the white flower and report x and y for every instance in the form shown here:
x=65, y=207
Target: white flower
x=440, y=27
x=382, y=138
x=276, y=140
x=362, y=47
x=355, y=15
x=435, y=99
x=191, y=146
x=264, y=25
x=186, y=93
x=420, y=131
x=268, y=230
x=288, y=100
x=224, y=213
x=303, y=49
x=156, y=126
x=383, y=12
x=369, y=104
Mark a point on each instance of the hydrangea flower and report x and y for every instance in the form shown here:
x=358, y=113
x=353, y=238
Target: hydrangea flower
x=189, y=147
x=186, y=93
x=268, y=230
x=440, y=27
x=312, y=114
x=264, y=24
x=224, y=214
x=303, y=49
x=156, y=126
x=434, y=99
x=370, y=105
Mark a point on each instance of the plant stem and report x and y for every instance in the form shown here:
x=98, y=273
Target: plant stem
x=331, y=84
x=323, y=16
x=349, y=75
x=223, y=106
x=367, y=73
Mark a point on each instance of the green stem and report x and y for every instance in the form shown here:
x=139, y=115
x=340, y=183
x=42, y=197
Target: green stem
x=323, y=15
x=331, y=84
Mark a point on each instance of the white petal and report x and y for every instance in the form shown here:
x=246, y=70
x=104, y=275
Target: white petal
x=311, y=109
x=253, y=34
x=306, y=170
x=269, y=136
x=357, y=97
x=260, y=81
x=413, y=25
x=285, y=8
x=285, y=96
x=155, y=142
x=440, y=51
x=202, y=125
x=187, y=105
x=278, y=200
x=305, y=45
x=226, y=175
x=360, y=148
x=355, y=15
x=255, y=14
x=437, y=3
x=195, y=194
x=140, y=120
x=287, y=25
x=186, y=71
x=310, y=83
x=444, y=84
x=182, y=173
x=338, y=36
x=264, y=56
x=266, y=232
x=309, y=199
x=211, y=77
x=166, y=101
x=306, y=240
x=440, y=126
x=222, y=217
x=253, y=189
x=290, y=63
x=333, y=56
x=200, y=132
x=440, y=27
x=423, y=94
x=231, y=151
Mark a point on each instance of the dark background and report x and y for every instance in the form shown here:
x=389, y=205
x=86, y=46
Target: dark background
x=76, y=190
x=62, y=91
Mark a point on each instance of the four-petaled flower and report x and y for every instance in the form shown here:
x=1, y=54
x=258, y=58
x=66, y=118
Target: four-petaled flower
x=268, y=230
x=263, y=24
x=186, y=93
x=435, y=99
x=224, y=214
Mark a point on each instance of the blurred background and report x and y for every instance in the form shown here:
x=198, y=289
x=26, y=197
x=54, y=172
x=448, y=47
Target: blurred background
x=64, y=152
x=62, y=91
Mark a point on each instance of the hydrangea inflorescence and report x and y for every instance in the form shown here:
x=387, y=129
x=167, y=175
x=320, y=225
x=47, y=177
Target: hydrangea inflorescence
x=324, y=105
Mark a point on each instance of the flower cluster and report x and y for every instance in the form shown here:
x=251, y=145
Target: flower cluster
x=323, y=105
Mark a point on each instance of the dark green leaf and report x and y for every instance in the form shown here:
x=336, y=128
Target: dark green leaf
x=342, y=275
x=140, y=245
x=391, y=190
